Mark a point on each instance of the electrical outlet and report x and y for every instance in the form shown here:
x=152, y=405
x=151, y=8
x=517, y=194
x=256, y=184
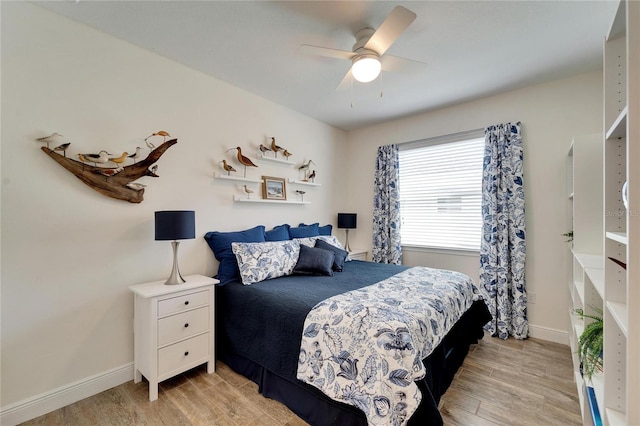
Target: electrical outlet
x=531, y=298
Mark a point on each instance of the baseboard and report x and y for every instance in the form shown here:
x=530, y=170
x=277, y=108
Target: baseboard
x=550, y=334
x=57, y=398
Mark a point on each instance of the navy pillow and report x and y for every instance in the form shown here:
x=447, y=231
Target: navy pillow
x=314, y=261
x=340, y=255
x=304, y=231
x=322, y=230
x=278, y=233
x=325, y=230
x=220, y=244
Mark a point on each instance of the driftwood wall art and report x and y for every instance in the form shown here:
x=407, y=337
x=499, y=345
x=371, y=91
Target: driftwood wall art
x=116, y=184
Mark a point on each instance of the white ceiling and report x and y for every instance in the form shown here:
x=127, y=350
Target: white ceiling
x=471, y=48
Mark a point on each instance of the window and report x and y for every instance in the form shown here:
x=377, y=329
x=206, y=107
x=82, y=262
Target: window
x=441, y=192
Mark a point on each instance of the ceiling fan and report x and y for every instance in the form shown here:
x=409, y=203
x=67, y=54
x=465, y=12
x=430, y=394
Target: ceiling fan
x=367, y=55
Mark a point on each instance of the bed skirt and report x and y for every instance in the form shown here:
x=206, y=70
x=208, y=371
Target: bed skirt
x=319, y=410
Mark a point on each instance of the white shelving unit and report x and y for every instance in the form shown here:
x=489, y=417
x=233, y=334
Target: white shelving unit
x=586, y=283
x=620, y=400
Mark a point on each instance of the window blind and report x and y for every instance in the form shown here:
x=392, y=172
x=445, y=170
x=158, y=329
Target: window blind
x=441, y=194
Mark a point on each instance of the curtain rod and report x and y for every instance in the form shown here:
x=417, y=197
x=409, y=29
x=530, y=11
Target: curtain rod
x=442, y=138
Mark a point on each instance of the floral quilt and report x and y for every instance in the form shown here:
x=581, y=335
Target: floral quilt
x=365, y=347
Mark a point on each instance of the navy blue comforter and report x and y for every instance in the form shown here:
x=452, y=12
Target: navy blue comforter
x=263, y=322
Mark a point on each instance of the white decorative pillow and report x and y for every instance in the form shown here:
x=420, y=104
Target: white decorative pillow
x=262, y=261
x=307, y=241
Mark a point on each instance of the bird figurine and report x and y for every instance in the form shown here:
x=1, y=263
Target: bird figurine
x=135, y=186
x=227, y=167
x=275, y=148
x=107, y=173
x=311, y=177
x=102, y=157
x=63, y=148
x=245, y=161
x=287, y=154
x=305, y=167
x=136, y=154
x=119, y=160
x=51, y=138
x=247, y=191
x=264, y=148
x=162, y=133
x=301, y=193
x=154, y=169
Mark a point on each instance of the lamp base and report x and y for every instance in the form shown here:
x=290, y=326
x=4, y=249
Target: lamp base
x=175, y=277
x=346, y=244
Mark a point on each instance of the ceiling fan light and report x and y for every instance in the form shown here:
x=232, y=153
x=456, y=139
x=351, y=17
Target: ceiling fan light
x=366, y=68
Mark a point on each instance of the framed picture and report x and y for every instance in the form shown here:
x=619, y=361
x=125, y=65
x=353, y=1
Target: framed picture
x=274, y=188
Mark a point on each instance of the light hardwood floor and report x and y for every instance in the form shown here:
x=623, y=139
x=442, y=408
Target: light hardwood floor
x=510, y=382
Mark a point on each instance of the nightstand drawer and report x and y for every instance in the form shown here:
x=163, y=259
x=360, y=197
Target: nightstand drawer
x=181, y=326
x=183, y=353
x=177, y=304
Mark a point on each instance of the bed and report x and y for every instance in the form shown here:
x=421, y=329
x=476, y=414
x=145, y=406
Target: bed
x=266, y=332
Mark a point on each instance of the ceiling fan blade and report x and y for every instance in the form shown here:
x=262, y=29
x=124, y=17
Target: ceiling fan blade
x=346, y=82
x=392, y=27
x=325, y=51
x=392, y=63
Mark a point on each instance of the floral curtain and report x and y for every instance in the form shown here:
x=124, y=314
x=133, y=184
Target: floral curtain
x=502, y=251
x=386, y=208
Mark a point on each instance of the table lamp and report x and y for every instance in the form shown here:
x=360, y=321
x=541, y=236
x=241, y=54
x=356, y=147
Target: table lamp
x=347, y=221
x=175, y=225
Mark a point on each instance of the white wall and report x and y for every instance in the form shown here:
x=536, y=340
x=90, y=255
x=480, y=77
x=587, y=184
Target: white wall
x=551, y=114
x=68, y=252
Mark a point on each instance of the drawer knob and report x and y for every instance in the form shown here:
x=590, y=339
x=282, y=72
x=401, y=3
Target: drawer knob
x=186, y=353
x=186, y=302
x=186, y=325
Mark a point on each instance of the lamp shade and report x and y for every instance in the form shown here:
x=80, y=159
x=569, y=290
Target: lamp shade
x=347, y=220
x=175, y=225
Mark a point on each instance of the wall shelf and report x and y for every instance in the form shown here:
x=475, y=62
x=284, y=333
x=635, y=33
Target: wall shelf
x=596, y=276
x=240, y=199
x=236, y=178
x=619, y=237
x=619, y=127
x=619, y=313
x=282, y=161
x=302, y=182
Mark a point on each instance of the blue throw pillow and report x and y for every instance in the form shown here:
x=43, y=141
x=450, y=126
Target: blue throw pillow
x=304, y=231
x=314, y=261
x=325, y=230
x=220, y=244
x=340, y=255
x=322, y=230
x=278, y=233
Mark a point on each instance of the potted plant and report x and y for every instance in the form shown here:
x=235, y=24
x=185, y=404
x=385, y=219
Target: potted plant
x=590, y=343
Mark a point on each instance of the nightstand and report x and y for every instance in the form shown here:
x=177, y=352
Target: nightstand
x=357, y=254
x=173, y=329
